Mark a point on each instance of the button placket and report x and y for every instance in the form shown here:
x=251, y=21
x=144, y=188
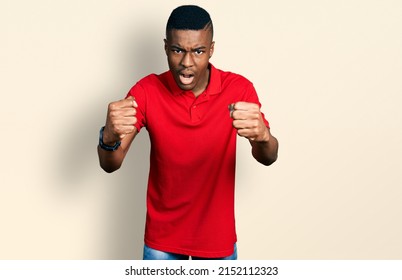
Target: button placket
x=195, y=108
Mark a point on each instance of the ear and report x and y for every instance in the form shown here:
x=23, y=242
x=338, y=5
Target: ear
x=211, y=49
x=166, y=46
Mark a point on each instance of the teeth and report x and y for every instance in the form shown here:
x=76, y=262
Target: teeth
x=186, y=79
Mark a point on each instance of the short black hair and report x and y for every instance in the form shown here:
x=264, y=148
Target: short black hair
x=189, y=17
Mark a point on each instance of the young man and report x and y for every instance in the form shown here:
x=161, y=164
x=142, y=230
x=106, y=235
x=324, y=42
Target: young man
x=190, y=198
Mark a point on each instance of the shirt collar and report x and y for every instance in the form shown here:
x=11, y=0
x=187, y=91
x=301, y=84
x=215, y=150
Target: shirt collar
x=214, y=85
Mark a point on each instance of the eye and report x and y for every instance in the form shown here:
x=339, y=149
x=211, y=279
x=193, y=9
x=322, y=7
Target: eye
x=198, y=52
x=177, y=51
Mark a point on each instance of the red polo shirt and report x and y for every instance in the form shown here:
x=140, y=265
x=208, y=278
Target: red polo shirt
x=190, y=197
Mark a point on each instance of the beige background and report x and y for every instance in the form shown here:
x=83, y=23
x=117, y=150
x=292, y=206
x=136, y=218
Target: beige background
x=329, y=77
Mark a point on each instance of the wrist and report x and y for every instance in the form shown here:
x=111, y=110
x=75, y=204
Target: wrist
x=264, y=138
x=108, y=138
x=105, y=143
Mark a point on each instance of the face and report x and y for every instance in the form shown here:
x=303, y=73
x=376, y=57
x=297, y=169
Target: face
x=188, y=53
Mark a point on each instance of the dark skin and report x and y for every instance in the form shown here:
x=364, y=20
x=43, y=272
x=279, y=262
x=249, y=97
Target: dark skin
x=188, y=53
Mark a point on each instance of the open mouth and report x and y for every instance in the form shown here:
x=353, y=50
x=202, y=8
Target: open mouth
x=186, y=79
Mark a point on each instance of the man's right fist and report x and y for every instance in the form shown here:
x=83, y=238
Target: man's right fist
x=120, y=120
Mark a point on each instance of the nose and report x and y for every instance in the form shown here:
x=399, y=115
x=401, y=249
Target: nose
x=187, y=60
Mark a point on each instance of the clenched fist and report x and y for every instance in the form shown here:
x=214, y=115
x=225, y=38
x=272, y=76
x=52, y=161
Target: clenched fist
x=248, y=121
x=120, y=120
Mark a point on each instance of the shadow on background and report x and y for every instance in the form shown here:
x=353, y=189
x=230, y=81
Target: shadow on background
x=142, y=53
x=126, y=220
x=128, y=206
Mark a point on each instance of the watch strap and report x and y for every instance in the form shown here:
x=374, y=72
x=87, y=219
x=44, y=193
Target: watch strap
x=107, y=147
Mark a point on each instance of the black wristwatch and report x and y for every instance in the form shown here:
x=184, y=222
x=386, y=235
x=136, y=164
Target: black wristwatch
x=107, y=147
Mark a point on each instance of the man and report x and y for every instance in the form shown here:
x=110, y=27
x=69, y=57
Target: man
x=190, y=198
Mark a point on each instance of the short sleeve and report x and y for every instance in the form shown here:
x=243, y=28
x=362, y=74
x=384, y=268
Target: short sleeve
x=138, y=92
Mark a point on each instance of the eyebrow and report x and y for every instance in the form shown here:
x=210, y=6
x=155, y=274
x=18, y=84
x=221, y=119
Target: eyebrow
x=193, y=49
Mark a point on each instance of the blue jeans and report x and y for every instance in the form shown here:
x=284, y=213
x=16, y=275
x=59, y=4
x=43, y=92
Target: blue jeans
x=152, y=254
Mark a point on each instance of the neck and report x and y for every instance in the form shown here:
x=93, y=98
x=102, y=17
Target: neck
x=203, y=85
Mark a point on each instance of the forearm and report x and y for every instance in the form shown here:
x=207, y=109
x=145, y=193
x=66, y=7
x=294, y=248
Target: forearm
x=110, y=161
x=265, y=152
